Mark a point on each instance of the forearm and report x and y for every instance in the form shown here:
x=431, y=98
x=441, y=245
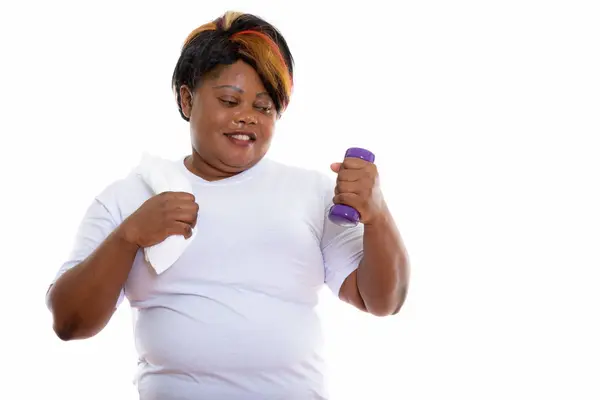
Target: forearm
x=383, y=274
x=83, y=299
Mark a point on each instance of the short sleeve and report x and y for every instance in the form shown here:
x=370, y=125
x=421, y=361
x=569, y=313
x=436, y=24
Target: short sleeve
x=96, y=225
x=342, y=247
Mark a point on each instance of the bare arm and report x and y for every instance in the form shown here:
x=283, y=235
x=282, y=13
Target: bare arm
x=83, y=299
x=380, y=284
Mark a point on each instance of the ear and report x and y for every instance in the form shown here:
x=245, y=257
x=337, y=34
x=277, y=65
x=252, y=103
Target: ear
x=185, y=94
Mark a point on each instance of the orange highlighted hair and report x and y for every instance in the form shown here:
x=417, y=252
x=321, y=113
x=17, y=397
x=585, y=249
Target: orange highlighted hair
x=232, y=37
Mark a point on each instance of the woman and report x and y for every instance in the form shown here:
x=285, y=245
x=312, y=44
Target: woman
x=234, y=317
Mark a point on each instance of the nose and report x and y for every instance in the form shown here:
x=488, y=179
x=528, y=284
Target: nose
x=245, y=118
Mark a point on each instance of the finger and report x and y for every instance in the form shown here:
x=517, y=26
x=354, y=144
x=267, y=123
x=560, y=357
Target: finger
x=185, y=205
x=183, y=211
x=354, y=163
x=348, y=187
x=184, y=196
x=335, y=167
x=349, y=199
x=189, y=217
x=179, y=196
x=350, y=175
x=188, y=231
x=180, y=228
x=171, y=200
x=194, y=219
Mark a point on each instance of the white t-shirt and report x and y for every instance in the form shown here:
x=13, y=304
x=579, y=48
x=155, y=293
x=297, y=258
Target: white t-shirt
x=234, y=317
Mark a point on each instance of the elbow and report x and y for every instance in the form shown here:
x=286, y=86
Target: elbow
x=70, y=326
x=66, y=326
x=384, y=309
x=63, y=334
x=59, y=326
x=69, y=330
x=401, y=300
x=387, y=306
x=380, y=311
x=63, y=327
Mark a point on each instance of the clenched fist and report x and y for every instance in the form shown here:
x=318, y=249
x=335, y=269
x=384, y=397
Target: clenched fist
x=357, y=186
x=163, y=215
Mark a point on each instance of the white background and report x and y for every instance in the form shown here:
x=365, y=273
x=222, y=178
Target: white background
x=484, y=117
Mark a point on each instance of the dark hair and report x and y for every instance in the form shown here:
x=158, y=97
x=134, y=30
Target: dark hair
x=232, y=37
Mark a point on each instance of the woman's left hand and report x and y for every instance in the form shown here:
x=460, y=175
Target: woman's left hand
x=357, y=186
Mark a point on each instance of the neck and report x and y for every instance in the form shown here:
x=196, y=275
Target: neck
x=206, y=170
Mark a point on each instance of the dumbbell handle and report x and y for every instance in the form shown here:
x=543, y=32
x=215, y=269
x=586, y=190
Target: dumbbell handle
x=341, y=214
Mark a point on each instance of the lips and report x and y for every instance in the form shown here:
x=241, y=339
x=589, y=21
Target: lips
x=242, y=136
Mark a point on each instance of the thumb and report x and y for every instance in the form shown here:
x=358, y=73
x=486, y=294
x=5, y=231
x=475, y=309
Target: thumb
x=335, y=167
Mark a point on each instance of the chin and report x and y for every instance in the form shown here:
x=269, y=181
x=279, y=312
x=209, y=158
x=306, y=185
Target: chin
x=243, y=159
x=238, y=164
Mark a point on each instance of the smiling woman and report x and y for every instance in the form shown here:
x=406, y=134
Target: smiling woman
x=235, y=316
x=228, y=70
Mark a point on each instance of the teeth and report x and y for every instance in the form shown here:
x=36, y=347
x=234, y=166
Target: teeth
x=241, y=137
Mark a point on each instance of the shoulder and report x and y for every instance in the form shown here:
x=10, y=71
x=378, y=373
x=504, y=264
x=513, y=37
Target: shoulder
x=123, y=196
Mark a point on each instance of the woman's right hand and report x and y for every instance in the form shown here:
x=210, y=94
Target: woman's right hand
x=163, y=215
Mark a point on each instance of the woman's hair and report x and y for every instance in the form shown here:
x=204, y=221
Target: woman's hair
x=232, y=37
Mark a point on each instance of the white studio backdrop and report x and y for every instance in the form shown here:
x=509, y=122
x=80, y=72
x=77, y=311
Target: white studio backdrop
x=484, y=117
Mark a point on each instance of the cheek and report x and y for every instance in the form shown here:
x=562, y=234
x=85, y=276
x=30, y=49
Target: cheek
x=206, y=120
x=268, y=127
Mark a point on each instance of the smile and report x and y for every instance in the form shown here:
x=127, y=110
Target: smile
x=243, y=139
x=243, y=136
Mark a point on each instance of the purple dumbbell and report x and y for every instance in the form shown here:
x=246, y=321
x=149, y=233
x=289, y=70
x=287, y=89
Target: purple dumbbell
x=341, y=214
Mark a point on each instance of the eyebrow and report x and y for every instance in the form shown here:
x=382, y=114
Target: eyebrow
x=239, y=90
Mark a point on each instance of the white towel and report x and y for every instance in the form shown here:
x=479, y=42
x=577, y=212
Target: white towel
x=163, y=176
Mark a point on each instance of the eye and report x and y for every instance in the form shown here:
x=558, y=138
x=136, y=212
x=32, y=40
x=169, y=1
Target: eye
x=228, y=102
x=264, y=109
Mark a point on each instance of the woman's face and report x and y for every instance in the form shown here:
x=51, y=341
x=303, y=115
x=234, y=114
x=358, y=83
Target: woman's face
x=232, y=118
